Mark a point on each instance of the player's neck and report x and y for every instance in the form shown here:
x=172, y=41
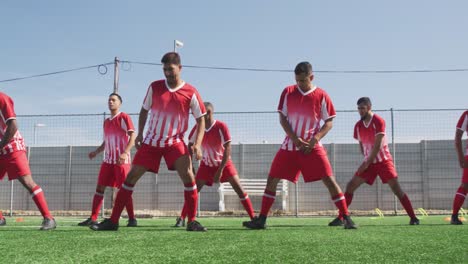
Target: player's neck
x=175, y=83
x=209, y=122
x=114, y=112
x=368, y=117
x=307, y=88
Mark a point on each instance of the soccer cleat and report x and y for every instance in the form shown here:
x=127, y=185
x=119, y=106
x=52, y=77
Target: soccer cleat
x=256, y=223
x=195, y=226
x=336, y=222
x=87, y=222
x=179, y=222
x=2, y=221
x=105, y=225
x=348, y=223
x=48, y=224
x=414, y=221
x=455, y=220
x=132, y=223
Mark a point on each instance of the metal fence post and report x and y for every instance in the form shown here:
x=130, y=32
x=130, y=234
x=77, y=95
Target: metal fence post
x=103, y=213
x=395, y=203
x=11, y=198
x=424, y=175
x=68, y=188
x=297, y=199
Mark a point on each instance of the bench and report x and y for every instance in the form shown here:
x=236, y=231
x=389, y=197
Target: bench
x=253, y=187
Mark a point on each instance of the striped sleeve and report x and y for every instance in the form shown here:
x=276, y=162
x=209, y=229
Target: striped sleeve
x=463, y=122
x=283, y=102
x=328, y=110
x=148, y=98
x=196, y=105
x=224, y=134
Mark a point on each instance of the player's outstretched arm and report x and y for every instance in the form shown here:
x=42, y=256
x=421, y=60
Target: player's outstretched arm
x=141, y=127
x=196, y=148
x=12, y=127
x=99, y=149
x=459, y=148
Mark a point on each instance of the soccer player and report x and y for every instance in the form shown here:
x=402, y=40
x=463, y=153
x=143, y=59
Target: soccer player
x=460, y=196
x=119, y=139
x=2, y=219
x=216, y=165
x=370, y=132
x=13, y=160
x=169, y=102
x=301, y=109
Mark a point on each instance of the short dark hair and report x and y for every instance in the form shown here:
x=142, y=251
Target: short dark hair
x=208, y=104
x=118, y=96
x=303, y=67
x=171, y=58
x=364, y=100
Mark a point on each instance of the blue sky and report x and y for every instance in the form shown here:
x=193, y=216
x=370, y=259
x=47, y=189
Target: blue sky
x=45, y=36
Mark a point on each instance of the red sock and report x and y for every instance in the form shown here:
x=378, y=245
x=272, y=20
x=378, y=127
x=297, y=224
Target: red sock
x=407, y=205
x=1, y=215
x=349, y=199
x=340, y=203
x=245, y=200
x=97, y=203
x=267, y=201
x=123, y=196
x=459, y=200
x=191, y=199
x=40, y=201
x=129, y=207
x=183, y=214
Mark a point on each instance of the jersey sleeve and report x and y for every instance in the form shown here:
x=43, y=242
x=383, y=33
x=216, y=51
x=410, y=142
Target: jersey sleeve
x=148, y=98
x=327, y=110
x=196, y=105
x=379, y=125
x=463, y=122
x=356, y=132
x=283, y=103
x=193, y=134
x=7, y=108
x=224, y=134
x=127, y=123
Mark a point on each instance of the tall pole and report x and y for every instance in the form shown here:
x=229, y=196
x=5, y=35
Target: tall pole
x=395, y=203
x=175, y=45
x=116, y=75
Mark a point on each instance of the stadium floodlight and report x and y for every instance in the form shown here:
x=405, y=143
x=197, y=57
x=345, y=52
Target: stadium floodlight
x=177, y=44
x=36, y=126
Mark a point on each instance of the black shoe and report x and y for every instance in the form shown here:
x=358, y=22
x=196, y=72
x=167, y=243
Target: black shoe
x=336, y=222
x=132, y=223
x=105, y=225
x=348, y=223
x=195, y=226
x=48, y=224
x=2, y=221
x=414, y=221
x=179, y=222
x=256, y=223
x=87, y=222
x=455, y=220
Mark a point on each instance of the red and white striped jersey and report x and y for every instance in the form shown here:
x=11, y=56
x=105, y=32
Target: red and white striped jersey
x=7, y=112
x=170, y=110
x=463, y=126
x=304, y=112
x=116, y=137
x=366, y=135
x=213, y=143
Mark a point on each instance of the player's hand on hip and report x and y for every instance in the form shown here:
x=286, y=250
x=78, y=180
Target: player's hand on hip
x=196, y=150
x=138, y=141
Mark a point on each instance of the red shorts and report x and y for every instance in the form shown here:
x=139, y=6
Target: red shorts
x=15, y=164
x=465, y=172
x=207, y=173
x=288, y=164
x=385, y=169
x=150, y=157
x=113, y=175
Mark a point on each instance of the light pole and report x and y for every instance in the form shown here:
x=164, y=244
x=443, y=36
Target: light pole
x=36, y=126
x=177, y=44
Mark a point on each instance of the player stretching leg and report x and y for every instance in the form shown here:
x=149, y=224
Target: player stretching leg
x=301, y=109
x=13, y=160
x=119, y=138
x=216, y=165
x=370, y=132
x=169, y=103
x=460, y=196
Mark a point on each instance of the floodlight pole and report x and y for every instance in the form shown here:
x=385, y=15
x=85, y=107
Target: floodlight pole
x=116, y=75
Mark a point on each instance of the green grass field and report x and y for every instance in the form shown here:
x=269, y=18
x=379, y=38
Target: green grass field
x=290, y=240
